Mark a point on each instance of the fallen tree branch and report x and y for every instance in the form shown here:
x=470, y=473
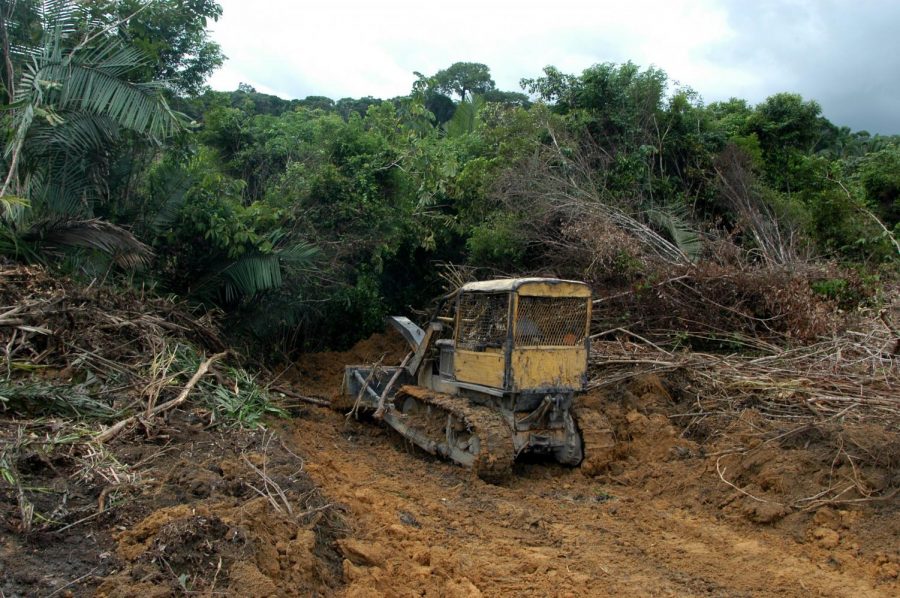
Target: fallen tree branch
x=269, y=482
x=630, y=333
x=379, y=412
x=115, y=429
x=311, y=400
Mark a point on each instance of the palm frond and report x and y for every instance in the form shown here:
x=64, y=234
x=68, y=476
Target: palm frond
x=299, y=255
x=173, y=192
x=12, y=205
x=250, y=275
x=672, y=222
x=124, y=248
x=60, y=17
x=58, y=11
x=76, y=132
x=14, y=246
x=92, y=79
x=277, y=314
x=61, y=187
x=139, y=107
x=39, y=398
x=113, y=58
x=464, y=118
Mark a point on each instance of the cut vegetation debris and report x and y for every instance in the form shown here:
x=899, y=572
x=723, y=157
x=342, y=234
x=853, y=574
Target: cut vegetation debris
x=113, y=417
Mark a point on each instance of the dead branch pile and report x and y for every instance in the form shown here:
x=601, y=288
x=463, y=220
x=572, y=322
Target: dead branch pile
x=788, y=429
x=850, y=380
x=80, y=366
x=89, y=351
x=838, y=378
x=717, y=306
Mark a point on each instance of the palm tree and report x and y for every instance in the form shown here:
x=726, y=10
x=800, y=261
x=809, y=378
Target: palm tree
x=73, y=101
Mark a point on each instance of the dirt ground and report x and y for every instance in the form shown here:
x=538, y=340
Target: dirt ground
x=320, y=504
x=675, y=514
x=201, y=510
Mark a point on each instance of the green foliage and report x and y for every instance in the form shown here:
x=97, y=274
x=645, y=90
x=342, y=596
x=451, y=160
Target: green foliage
x=35, y=398
x=465, y=118
x=11, y=204
x=498, y=244
x=879, y=175
x=841, y=227
x=246, y=405
x=73, y=103
x=786, y=120
x=241, y=401
x=171, y=34
x=851, y=288
x=214, y=209
x=309, y=220
x=673, y=222
x=832, y=288
x=789, y=130
x=617, y=99
x=464, y=79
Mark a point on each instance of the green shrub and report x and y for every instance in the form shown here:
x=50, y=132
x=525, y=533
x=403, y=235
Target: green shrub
x=498, y=243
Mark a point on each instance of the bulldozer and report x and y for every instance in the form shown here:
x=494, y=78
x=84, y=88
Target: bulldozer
x=495, y=374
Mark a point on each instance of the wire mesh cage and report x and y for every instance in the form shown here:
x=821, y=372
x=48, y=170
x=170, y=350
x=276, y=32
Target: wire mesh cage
x=483, y=320
x=553, y=321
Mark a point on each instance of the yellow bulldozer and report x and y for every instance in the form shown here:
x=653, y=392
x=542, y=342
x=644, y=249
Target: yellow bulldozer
x=495, y=374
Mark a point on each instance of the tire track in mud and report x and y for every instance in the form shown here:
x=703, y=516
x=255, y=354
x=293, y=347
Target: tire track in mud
x=424, y=527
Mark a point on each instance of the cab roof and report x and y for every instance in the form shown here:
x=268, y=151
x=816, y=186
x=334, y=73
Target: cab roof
x=571, y=288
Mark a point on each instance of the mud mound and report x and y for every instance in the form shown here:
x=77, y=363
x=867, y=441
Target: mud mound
x=639, y=415
x=247, y=521
x=321, y=374
x=832, y=486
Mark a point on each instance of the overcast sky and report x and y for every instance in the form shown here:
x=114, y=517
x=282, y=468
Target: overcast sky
x=845, y=54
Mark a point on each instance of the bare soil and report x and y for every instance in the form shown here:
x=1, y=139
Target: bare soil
x=205, y=510
x=326, y=505
x=677, y=512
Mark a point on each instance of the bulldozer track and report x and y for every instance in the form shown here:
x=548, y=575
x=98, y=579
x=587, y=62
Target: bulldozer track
x=597, y=436
x=495, y=454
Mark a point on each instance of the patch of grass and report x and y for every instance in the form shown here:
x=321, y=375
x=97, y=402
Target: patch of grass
x=245, y=404
x=234, y=396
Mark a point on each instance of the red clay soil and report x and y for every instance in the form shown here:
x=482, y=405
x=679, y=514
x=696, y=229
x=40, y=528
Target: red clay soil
x=320, y=374
x=671, y=515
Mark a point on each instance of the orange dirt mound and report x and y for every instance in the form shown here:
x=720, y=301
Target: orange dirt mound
x=321, y=374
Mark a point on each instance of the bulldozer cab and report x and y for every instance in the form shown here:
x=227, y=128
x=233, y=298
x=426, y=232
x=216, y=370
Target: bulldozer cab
x=519, y=335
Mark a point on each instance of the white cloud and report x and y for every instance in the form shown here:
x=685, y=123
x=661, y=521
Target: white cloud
x=720, y=48
x=364, y=48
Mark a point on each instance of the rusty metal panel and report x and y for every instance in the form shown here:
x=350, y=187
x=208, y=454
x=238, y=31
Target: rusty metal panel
x=560, y=368
x=479, y=367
